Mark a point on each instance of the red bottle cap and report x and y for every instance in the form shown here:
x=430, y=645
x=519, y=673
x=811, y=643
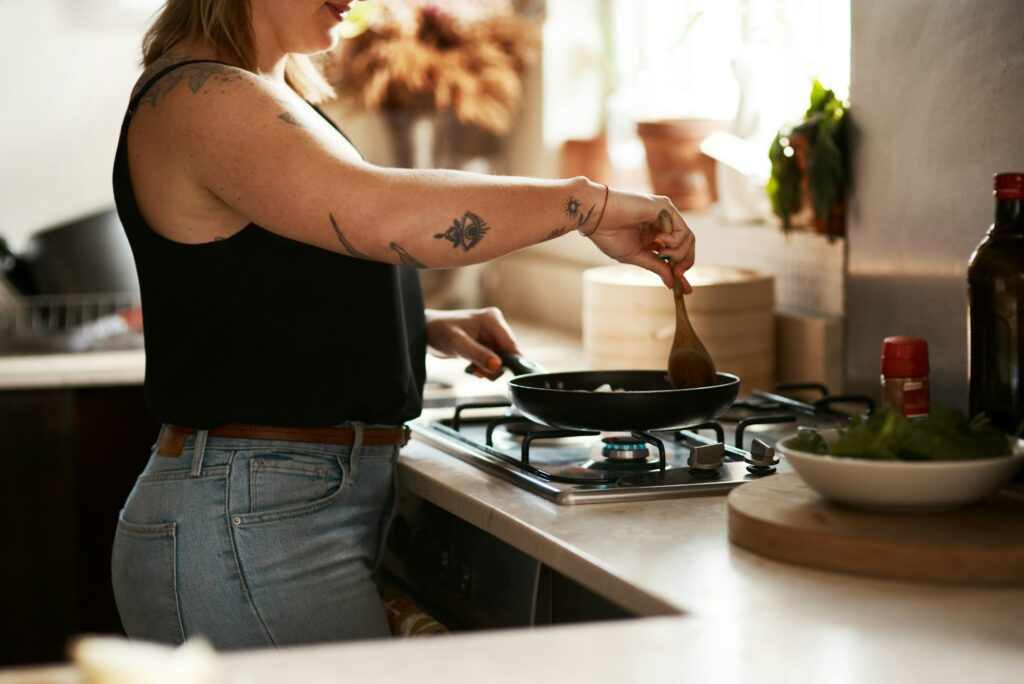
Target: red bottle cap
x=904, y=357
x=1009, y=186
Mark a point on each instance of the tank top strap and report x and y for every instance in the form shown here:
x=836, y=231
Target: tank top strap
x=134, y=103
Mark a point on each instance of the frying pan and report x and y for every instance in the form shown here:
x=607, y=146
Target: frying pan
x=649, y=402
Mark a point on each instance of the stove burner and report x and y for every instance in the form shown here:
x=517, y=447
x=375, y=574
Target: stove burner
x=822, y=406
x=525, y=427
x=624, y=449
x=570, y=466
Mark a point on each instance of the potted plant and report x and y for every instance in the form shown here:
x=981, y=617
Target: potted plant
x=677, y=167
x=810, y=166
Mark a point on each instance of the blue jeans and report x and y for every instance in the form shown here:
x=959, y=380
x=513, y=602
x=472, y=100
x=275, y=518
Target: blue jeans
x=255, y=543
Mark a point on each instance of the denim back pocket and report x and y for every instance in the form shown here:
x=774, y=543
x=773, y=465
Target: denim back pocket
x=278, y=481
x=144, y=574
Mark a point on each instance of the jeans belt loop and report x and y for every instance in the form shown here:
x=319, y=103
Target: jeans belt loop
x=357, y=445
x=198, y=449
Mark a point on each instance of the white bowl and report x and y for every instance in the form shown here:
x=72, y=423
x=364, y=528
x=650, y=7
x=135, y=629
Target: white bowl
x=903, y=486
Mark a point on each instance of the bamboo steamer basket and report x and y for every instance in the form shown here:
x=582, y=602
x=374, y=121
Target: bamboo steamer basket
x=629, y=320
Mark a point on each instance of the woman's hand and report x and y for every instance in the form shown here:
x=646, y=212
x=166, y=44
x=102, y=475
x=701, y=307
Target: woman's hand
x=473, y=334
x=637, y=228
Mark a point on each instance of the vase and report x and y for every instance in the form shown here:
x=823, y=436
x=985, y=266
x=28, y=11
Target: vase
x=413, y=136
x=427, y=139
x=678, y=169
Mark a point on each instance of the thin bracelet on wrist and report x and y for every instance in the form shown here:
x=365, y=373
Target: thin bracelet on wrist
x=600, y=217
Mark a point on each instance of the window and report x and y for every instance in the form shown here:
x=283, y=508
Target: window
x=746, y=61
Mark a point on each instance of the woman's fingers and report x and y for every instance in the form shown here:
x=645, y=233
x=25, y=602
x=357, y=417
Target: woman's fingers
x=672, y=228
x=644, y=229
x=652, y=263
x=497, y=330
x=484, y=358
x=676, y=241
x=492, y=334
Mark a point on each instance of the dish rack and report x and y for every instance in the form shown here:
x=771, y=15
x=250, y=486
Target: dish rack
x=67, y=323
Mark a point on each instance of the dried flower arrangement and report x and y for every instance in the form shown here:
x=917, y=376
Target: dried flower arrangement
x=463, y=56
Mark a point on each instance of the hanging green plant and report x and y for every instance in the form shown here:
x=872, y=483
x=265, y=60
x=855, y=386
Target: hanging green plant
x=812, y=158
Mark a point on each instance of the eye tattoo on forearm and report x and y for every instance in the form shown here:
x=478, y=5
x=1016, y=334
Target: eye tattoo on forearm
x=289, y=118
x=405, y=258
x=345, y=243
x=466, y=232
x=573, y=211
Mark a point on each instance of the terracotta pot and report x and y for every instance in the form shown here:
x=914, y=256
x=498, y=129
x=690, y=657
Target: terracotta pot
x=588, y=157
x=678, y=169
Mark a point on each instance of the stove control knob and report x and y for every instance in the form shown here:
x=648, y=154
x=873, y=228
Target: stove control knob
x=707, y=457
x=762, y=460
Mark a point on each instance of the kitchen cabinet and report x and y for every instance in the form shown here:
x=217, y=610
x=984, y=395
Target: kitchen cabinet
x=69, y=457
x=470, y=579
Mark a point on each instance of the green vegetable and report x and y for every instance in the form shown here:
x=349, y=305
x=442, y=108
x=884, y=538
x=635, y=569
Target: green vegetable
x=945, y=435
x=809, y=441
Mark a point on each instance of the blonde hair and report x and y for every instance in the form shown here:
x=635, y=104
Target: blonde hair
x=226, y=26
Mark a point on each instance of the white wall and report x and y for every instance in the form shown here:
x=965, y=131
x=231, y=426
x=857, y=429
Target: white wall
x=66, y=68
x=937, y=97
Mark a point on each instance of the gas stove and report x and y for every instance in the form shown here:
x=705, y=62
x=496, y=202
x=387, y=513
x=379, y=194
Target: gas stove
x=576, y=467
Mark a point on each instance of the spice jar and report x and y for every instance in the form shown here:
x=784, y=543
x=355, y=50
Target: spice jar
x=905, y=375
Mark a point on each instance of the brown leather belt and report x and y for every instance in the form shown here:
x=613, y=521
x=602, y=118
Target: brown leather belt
x=172, y=437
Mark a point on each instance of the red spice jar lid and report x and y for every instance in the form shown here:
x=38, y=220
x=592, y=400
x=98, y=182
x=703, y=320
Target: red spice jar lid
x=1009, y=186
x=904, y=357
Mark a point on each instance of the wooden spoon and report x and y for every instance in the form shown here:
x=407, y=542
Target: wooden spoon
x=689, y=364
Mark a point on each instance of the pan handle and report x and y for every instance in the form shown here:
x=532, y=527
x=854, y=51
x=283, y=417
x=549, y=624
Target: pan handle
x=516, y=363
x=520, y=365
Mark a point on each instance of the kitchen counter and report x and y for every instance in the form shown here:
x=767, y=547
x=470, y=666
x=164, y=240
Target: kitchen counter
x=84, y=369
x=719, y=612
x=761, y=650
x=128, y=367
x=674, y=556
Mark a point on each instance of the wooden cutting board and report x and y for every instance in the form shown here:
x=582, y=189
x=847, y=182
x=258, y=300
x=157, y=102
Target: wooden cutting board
x=783, y=519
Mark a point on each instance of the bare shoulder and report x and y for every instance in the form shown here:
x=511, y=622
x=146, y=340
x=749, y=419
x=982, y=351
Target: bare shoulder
x=188, y=119
x=231, y=101
x=213, y=147
x=195, y=77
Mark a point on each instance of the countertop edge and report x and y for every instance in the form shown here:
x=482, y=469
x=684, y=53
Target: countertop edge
x=82, y=369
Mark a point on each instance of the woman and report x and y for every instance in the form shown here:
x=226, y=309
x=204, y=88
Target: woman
x=285, y=330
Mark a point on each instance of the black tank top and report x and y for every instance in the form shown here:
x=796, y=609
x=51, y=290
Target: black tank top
x=259, y=328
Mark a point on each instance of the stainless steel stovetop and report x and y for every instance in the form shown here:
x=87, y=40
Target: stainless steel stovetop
x=574, y=468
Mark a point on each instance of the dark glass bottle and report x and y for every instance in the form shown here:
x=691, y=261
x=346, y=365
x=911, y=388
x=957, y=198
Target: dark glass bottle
x=995, y=289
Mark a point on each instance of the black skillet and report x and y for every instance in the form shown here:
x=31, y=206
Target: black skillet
x=649, y=402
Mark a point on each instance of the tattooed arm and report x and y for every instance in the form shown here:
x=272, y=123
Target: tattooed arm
x=262, y=155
